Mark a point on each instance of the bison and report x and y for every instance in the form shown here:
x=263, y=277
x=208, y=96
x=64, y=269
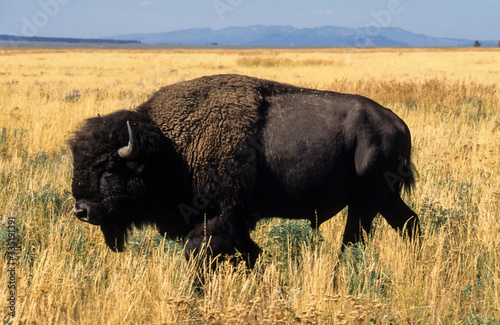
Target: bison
x=205, y=159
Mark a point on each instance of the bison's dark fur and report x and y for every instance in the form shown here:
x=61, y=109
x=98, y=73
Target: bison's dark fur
x=235, y=149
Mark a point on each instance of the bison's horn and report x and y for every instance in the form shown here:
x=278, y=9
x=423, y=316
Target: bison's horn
x=131, y=150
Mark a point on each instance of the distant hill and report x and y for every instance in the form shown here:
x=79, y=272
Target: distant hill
x=259, y=35
x=10, y=38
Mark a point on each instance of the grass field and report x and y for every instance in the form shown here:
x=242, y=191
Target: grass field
x=64, y=273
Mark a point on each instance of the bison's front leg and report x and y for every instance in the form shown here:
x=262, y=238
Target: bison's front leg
x=219, y=239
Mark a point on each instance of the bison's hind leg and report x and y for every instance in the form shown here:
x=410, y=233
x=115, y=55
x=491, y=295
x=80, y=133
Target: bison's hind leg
x=400, y=216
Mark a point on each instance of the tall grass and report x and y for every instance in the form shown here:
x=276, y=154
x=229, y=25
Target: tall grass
x=66, y=274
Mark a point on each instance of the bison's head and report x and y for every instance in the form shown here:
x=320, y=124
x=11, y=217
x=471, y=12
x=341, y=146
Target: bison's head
x=116, y=173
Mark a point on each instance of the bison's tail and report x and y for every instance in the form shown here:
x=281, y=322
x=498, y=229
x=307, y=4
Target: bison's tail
x=403, y=177
x=409, y=175
x=407, y=168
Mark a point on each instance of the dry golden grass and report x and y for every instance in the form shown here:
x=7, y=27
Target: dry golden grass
x=66, y=274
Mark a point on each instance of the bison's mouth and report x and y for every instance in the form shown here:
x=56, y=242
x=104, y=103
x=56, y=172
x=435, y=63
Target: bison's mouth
x=82, y=212
x=83, y=216
x=114, y=233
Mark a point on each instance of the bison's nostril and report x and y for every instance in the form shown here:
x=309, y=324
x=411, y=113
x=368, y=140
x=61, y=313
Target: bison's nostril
x=81, y=214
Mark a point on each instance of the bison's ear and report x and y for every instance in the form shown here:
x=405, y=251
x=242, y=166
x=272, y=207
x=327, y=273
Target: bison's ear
x=131, y=150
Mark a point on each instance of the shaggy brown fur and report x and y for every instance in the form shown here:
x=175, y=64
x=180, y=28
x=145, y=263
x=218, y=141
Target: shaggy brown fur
x=213, y=122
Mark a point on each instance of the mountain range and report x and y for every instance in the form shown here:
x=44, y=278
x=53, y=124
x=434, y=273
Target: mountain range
x=327, y=36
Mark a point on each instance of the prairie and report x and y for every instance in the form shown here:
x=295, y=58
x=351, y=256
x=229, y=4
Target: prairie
x=59, y=271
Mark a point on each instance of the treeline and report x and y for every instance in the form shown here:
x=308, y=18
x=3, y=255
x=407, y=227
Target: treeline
x=10, y=38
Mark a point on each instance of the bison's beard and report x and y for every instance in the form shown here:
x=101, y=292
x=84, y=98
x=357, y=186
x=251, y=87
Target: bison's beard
x=114, y=236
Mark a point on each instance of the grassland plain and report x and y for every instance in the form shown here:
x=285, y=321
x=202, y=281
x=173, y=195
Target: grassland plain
x=66, y=275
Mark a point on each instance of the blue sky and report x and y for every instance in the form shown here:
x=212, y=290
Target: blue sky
x=99, y=18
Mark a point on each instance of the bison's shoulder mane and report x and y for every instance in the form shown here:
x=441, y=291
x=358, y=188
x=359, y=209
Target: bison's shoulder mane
x=214, y=124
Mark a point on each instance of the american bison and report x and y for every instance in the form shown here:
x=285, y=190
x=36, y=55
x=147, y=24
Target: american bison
x=205, y=159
